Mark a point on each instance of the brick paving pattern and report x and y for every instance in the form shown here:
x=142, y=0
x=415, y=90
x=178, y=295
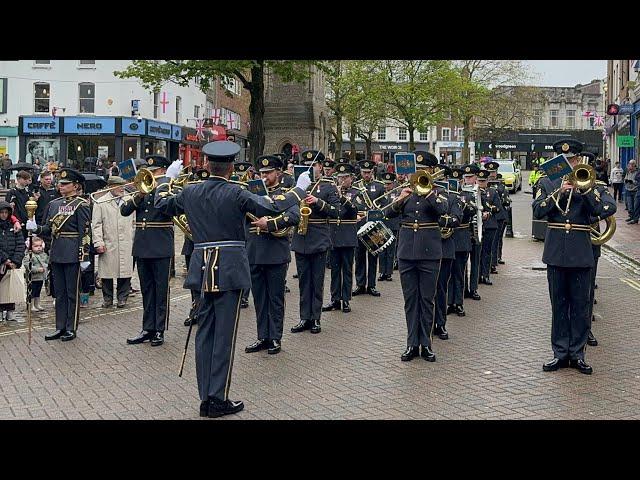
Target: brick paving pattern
x=491, y=368
x=627, y=237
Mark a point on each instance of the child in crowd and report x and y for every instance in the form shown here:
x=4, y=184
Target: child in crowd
x=39, y=265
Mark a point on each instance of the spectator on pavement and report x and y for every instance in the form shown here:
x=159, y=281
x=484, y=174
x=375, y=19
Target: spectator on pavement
x=630, y=187
x=11, y=255
x=39, y=266
x=17, y=197
x=617, y=180
x=6, y=173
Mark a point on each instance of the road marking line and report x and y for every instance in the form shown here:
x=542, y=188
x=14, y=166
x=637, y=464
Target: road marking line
x=631, y=283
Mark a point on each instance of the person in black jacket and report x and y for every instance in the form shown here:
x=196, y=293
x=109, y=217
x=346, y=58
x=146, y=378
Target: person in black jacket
x=17, y=197
x=11, y=251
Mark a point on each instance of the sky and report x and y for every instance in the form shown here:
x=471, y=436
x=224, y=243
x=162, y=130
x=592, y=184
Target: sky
x=566, y=73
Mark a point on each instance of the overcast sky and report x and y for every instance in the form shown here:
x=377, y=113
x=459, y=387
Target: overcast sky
x=566, y=73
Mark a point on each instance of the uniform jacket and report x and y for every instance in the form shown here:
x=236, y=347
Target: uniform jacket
x=568, y=247
x=11, y=243
x=71, y=242
x=187, y=247
x=392, y=222
x=463, y=233
x=374, y=189
x=112, y=230
x=154, y=229
x=216, y=209
x=287, y=181
x=46, y=195
x=318, y=237
x=423, y=240
x=450, y=220
x=265, y=249
x=492, y=204
x=502, y=216
x=344, y=228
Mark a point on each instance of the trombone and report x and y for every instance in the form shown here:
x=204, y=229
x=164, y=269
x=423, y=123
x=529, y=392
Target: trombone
x=143, y=182
x=421, y=182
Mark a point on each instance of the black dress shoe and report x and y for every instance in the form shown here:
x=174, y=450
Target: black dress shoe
x=346, y=308
x=494, y=270
x=373, y=292
x=55, y=335
x=500, y=261
x=332, y=306
x=358, y=291
x=459, y=309
x=485, y=281
x=303, y=325
x=467, y=294
x=204, y=408
x=410, y=353
x=581, y=366
x=143, y=336
x=244, y=303
x=555, y=364
x=382, y=278
x=427, y=354
x=295, y=275
x=257, y=346
x=121, y=304
x=274, y=347
x=591, y=340
x=442, y=333
x=475, y=296
x=287, y=289
x=190, y=321
x=451, y=309
x=228, y=407
x=315, y=328
x=158, y=339
x=595, y=301
x=69, y=335
x=107, y=305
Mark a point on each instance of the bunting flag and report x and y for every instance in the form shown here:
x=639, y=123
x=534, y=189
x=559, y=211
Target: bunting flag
x=588, y=114
x=231, y=124
x=200, y=127
x=215, y=117
x=598, y=121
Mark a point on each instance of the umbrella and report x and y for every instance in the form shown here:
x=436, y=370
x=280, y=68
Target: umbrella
x=22, y=166
x=93, y=183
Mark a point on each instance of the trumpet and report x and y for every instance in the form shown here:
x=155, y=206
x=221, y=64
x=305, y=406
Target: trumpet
x=276, y=233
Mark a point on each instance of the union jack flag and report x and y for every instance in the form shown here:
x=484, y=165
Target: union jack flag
x=598, y=121
x=200, y=127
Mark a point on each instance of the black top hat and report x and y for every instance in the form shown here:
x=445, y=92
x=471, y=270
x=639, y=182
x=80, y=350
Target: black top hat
x=266, y=163
x=345, y=169
x=221, y=151
x=69, y=175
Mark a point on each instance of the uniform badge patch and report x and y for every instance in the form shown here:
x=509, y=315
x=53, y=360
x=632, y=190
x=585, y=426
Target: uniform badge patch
x=265, y=162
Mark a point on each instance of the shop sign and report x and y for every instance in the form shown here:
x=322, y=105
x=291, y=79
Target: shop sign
x=625, y=141
x=159, y=130
x=133, y=126
x=89, y=125
x=176, y=133
x=40, y=125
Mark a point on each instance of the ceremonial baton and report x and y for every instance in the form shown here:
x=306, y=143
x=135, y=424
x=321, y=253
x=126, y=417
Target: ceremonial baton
x=31, y=206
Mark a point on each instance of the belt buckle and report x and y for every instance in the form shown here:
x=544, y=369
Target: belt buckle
x=567, y=227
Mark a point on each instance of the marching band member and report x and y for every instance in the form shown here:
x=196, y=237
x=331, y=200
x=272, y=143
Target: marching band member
x=491, y=204
x=366, y=263
x=68, y=222
x=219, y=266
x=471, y=283
x=569, y=257
x=269, y=257
x=501, y=216
x=243, y=171
x=344, y=239
x=387, y=257
x=311, y=246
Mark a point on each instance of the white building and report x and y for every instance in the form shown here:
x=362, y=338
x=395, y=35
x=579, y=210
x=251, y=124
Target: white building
x=68, y=110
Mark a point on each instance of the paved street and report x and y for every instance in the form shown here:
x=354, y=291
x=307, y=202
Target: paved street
x=491, y=368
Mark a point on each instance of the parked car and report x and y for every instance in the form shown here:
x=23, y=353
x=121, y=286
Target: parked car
x=511, y=175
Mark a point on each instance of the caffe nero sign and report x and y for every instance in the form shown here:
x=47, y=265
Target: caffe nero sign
x=40, y=125
x=90, y=126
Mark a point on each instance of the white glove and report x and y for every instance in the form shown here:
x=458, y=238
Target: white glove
x=84, y=265
x=174, y=169
x=32, y=225
x=303, y=181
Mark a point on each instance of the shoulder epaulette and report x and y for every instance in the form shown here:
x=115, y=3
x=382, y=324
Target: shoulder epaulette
x=242, y=184
x=330, y=180
x=287, y=173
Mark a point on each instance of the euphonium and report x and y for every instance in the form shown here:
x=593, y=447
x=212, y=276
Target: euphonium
x=305, y=212
x=600, y=238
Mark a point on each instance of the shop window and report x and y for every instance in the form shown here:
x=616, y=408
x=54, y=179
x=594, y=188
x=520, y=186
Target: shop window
x=41, y=98
x=130, y=147
x=46, y=149
x=446, y=134
x=382, y=133
x=402, y=133
x=84, y=151
x=178, y=110
x=87, y=96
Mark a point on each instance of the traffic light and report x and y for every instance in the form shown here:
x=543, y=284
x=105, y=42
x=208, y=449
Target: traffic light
x=612, y=109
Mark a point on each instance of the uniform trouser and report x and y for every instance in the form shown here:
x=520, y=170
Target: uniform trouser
x=569, y=290
x=267, y=285
x=456, y=282
x=594, y=271
x=501, y=229
x=487, y=252
x=215, y=343
x=474, y=268
x=154, y=285
x=341, y=273
x=311, y=280
x=446, y=265
x=387, y=257
x=497, y=242
x=66, y=284
x=418, y=279
x=123, y=287
x=365, y=274
x=245, y=294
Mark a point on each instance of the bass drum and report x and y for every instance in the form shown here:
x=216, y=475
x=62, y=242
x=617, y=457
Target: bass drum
x=375, y=236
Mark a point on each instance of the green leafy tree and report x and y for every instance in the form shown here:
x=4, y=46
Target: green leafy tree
x=153, y=74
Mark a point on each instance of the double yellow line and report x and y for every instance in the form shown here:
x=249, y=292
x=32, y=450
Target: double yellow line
x=635, y=284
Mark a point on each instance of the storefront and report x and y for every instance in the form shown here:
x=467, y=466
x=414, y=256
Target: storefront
x=133, y=129
x=8, y=142
x=191, y=148
x=90, y=138
x=40, y=138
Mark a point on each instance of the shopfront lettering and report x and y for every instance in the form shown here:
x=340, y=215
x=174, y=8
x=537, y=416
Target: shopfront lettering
x=160, y=130
x=42, y=126
x=191, y=138
x=89, y=126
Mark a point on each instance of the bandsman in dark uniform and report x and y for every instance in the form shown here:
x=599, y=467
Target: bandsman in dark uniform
x=153, y=251
x=329, y=171
x=344, y=240
x=491, y=204
x=68, y=222
x=243, y=171
x=450, y=220
x=501, y=216
x=311, y=248
x=366, y=263
x=387, y=257
x=569, y=257
x=419, y=254
x=462, y=236
x=219, y=266
x=269, y=256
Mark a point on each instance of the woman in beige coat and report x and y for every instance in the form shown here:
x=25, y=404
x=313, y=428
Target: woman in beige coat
x=113, y=240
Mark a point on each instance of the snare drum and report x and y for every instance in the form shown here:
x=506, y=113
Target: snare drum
x=375, y=236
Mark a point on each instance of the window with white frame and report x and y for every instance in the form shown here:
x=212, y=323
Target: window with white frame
x=156, y=100
x=553, y=118
x=196, y=111
x=424, y=137
x=402, y=133
x=41, y=97
x=178, y=110
x=382, y=133
x=446, y=134
x=42, y=63
x=571, y=119
x=592, y=120
x=87, y=64
x=537, y=118
x=447, y=115
x=208, y=109
x=3, y=95
x=460, y=134
x=232, y=84
x=87, y=97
